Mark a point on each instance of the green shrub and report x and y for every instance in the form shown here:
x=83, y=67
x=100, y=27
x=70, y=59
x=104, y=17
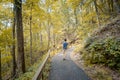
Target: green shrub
x=105, y=51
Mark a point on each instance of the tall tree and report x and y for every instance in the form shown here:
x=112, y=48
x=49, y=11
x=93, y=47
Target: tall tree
x=110, y=5
x=117, y=4
x=20, y=38
x=0, y=66
x=97, y=13
x=31, y=5
x=13, y=50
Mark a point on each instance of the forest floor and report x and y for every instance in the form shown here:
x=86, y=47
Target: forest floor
x=66, y=69
x=95, y=71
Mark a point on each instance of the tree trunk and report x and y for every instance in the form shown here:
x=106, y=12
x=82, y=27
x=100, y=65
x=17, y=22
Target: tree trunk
x=20, y=38
x=40, y=35
x=97, y=13
x=31, y=35
x=48, y=32
x=13, y=51
x=41, y=39
x=81, y=18
x=0, y=66
x=76, y=19
x=54, y=40
x=117, y=4
x=76, y=23
x=48, y=35
x=110, y=6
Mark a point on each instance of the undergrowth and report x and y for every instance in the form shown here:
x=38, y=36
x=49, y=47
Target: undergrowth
x=105, y=51
x=32, y=70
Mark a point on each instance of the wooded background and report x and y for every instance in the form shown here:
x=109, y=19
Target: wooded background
x=28, y=28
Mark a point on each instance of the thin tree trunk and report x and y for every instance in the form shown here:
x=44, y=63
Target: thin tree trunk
x=13, y=51
x=31, y=34
x=81, y=19
x=40, y=35
x=41, y=39
x=20, y=38
x=112, y=6
x=117, y=4
x=55, y=40
x=48, y=35
x=48, y=31
x=108, y=3
x=76, y=23
x=0, y=66
x=76, y=20
x=97, y=13
x=30, y=44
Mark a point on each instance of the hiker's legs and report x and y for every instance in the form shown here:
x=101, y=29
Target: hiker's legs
x=64, y=53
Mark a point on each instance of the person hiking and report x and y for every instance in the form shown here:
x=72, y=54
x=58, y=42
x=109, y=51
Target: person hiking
x=65, y=44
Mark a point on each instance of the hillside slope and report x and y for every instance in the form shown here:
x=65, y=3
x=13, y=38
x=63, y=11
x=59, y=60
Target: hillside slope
x=110, y=30
x=100, y=56
x=104, y=45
